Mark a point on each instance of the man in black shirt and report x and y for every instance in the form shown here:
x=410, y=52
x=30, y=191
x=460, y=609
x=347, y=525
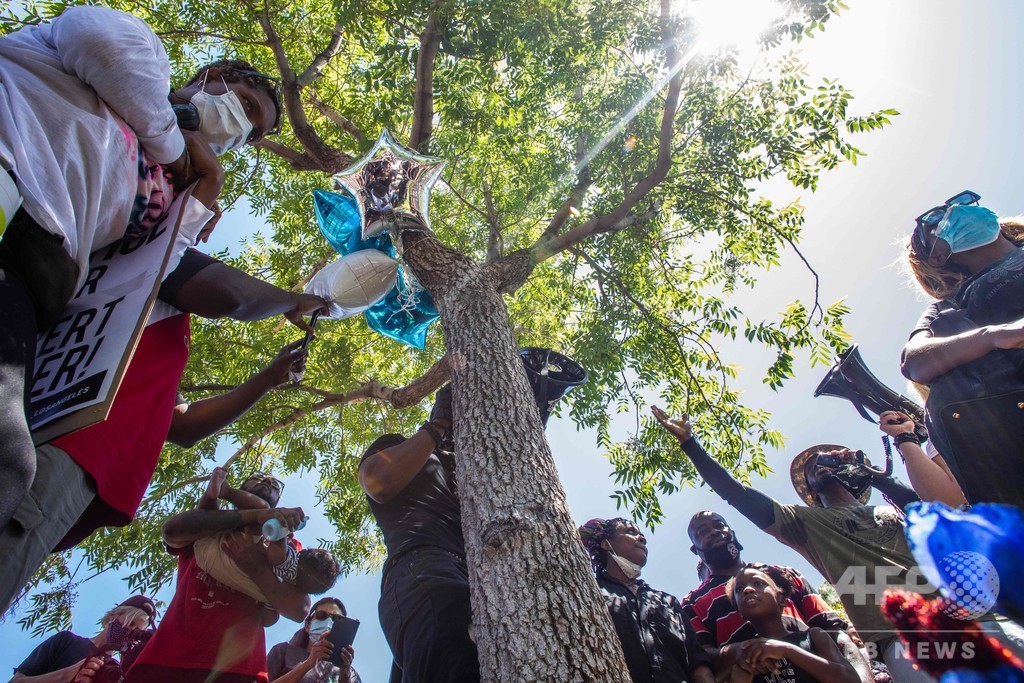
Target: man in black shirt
x=424, y=604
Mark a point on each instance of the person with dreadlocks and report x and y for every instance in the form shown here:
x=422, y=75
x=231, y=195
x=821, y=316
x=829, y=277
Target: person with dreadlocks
x=657, y=640
x=717, y=620
x=91, y=152
x=968, y=346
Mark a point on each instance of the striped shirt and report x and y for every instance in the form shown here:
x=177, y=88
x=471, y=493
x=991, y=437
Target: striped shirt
x=717, y=621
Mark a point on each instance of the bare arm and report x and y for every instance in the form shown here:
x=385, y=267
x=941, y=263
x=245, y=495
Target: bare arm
x=59, y=676
x=220, y=291
x=188, y=527
x=854, y=655
x=930, y=479
x=926, y=357
x=384, y=474
x=702, y=674
x=193, y=422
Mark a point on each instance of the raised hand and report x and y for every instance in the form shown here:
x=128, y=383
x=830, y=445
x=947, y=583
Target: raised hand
x=290, y=359
x=679, y=428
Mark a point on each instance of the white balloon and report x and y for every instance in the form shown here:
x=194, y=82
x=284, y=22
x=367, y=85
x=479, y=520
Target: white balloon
x=354, y=282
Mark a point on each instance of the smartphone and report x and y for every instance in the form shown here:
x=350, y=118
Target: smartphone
x=342, y=634
x=312, y=323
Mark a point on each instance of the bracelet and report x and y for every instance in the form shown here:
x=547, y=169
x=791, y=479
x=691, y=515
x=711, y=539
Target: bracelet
x=906, y=437
x=432, y=430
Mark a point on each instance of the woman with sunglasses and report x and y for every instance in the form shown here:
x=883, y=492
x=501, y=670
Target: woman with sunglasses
x=972, y=263
x=303, y=659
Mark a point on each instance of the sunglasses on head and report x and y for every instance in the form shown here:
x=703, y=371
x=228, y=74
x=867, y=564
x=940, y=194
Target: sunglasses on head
x=274, y=84
x=926, y=222
x=275, y=484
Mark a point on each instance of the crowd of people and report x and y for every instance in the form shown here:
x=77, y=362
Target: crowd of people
x=98, y=152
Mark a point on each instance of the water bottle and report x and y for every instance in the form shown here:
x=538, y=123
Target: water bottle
x=274, y=530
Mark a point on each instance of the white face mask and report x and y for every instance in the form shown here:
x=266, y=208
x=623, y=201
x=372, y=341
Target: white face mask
x=318, y=627
x=630, y=569
x=222, y=120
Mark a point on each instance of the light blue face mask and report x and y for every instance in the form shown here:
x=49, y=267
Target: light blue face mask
x=968, y=227
x=319, y=626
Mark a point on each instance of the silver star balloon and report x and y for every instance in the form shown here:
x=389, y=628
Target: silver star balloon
x=391, y=180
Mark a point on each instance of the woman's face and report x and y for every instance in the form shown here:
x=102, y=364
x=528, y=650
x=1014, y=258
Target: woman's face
x=324, y=611
x=756, y=595
x=629, y=543
x=139, y=623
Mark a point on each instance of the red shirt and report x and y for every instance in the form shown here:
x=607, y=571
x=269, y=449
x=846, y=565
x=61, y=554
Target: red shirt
x=122, y=451
x=207, y=626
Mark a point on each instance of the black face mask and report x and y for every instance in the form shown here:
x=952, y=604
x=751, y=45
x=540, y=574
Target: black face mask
x=721, y=556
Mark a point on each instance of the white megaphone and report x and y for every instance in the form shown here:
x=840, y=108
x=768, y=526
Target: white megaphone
x=354, y=282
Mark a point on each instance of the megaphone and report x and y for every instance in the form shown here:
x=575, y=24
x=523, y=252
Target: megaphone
x=850, y=378
x=551, y=375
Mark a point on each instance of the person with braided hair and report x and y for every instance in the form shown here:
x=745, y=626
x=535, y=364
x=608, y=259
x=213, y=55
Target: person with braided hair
x=657, y=640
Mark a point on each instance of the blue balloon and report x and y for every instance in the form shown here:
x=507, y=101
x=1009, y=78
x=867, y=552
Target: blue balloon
x=985, y=540
x=1002, y=674
x=404, y=314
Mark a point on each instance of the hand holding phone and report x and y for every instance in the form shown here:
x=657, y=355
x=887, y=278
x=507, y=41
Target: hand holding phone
x=341, y=636
x=312, y=323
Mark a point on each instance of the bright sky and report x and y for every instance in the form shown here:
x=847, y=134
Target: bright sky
x=950, y=68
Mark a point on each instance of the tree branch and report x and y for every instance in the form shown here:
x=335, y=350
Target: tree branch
x=207, y=34
x=324, y=157
x=495, y=241
x=316, y=67
x=576, y=195
x=317, y=267
x=336, y=117
x=423, y=102
x=299, y=161
x=545, y=248
x=399, y=397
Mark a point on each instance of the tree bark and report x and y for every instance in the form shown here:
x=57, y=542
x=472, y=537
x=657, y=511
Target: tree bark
x=538, y=614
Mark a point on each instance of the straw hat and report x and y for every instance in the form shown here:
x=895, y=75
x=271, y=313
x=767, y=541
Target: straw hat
x=798, y=474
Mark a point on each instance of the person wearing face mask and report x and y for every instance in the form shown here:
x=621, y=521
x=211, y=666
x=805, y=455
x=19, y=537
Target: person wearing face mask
x=658, y=643
x=716, y=620
x=66, y=656
x=968, y=346
x=303, y=659
x=90, y=152
x=835, y=530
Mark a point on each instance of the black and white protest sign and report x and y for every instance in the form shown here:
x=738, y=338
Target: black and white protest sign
x=81, y=359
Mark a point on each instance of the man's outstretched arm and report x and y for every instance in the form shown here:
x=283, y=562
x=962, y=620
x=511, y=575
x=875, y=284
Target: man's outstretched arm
x=192, y=422
x=751, y=503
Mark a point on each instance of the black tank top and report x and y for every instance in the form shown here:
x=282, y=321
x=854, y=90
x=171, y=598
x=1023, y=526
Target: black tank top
x=425, y=513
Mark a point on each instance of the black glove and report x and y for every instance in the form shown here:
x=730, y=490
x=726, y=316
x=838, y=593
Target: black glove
x=442, y=409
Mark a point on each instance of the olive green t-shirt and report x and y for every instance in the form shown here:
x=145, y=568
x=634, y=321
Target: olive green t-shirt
x=859, y=549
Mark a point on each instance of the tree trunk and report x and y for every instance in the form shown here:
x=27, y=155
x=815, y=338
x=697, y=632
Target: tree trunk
x=538, y=614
